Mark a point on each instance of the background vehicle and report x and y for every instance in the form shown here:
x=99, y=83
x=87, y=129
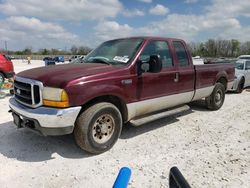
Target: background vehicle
x=6, y=68
x=53, y=60
x=78, y=59
x=242, y=75
x=73, y=57
x=121, y=80
x=244, y=57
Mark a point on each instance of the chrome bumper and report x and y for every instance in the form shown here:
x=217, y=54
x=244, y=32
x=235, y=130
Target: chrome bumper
x=50, y=118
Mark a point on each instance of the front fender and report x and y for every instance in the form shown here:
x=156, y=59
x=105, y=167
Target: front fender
x=81, y=94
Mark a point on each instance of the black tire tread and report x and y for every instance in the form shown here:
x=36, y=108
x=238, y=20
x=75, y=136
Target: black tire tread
x=240, y=87
x=209, y=100
x=82, y=125
x=2, y=75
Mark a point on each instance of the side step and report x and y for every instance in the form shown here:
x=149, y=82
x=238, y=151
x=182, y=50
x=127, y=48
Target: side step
x=150, y=118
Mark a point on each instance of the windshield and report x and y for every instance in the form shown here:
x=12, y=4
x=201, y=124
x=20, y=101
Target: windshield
x=244, y=57
x=113, y=52
x=239, y=66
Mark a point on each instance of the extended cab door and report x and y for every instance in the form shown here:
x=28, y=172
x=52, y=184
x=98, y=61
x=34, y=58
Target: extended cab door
x=185, y=76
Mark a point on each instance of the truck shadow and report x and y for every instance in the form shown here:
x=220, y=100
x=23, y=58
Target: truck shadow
x=199, y=105
x=130, y=131
x=25, y=145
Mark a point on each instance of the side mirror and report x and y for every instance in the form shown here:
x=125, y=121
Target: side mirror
x=155, y=64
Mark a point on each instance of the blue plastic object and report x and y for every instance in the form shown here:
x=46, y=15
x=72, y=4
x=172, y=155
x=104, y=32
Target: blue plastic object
x=122, y=178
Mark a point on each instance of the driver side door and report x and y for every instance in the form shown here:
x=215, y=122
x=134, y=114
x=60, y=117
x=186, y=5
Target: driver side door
x=156, y=91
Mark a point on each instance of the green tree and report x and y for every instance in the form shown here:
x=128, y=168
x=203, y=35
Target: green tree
x=235, y=47
x=73, y=50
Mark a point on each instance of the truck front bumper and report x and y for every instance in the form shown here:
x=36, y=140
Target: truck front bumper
x=44, y=120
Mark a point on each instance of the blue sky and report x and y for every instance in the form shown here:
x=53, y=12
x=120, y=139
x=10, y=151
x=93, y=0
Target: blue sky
x=61, y=24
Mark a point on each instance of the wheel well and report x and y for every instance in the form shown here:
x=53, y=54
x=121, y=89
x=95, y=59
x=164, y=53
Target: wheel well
x=223, y=80
x=242, y=78
x=111, y=99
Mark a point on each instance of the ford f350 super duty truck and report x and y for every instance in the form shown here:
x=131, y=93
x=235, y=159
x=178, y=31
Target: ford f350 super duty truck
x=119, y=81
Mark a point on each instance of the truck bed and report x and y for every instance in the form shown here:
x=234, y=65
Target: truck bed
x=206, y=75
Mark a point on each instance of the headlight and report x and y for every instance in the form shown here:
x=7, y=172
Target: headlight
x=55, y=97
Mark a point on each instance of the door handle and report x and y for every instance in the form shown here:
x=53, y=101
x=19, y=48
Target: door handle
x=176, y=78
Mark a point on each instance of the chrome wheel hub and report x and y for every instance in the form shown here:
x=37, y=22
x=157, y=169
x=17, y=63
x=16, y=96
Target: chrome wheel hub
x=103, y=128
x=218, y=97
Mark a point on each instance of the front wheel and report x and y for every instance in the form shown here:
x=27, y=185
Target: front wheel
x=98, y=128
x=216, y=99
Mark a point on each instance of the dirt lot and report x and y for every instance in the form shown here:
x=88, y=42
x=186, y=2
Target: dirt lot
x=212, y=149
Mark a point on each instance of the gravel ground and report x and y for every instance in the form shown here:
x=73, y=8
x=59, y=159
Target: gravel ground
x=212, y=149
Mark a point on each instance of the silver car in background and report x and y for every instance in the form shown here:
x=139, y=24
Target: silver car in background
x=242, y=75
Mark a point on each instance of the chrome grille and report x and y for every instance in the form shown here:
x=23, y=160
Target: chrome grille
x=28, y=92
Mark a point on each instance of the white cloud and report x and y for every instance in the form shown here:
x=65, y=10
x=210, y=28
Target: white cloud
x=62, y=10
x=132, y=13
x=23, y=31
x=159, y=10
x=188, y=27
x=146, y=1
x=229, y=8
x=106, y=30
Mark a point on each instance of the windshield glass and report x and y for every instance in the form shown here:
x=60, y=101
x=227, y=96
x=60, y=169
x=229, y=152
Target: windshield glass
x=239, y=66
x=113, y=52
x=244, y=57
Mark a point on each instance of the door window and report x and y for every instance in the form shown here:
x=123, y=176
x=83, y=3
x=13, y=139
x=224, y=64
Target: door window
x=247, y=65
x=181, y=53
x=157, y=48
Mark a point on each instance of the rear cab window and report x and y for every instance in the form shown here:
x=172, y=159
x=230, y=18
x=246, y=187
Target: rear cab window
x=181, y=54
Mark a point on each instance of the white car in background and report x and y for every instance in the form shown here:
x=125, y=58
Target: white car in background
x=242, y=75
x=197, y=60
x=244, y=57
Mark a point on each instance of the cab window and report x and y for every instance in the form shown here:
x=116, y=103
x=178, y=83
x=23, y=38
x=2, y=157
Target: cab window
x=157, y=48
x=247, y=65
x=181, y=53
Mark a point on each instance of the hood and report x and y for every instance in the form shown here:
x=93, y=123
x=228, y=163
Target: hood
x=60, y=75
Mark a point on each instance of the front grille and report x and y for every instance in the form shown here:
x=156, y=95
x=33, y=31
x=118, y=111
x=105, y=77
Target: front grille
x=28, y=92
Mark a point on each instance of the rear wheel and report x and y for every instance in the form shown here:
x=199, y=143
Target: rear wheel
x=216, y=99
x=240, y=86
x=98, y=128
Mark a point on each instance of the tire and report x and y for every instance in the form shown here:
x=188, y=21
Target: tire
x=240, y=86
x=98, y=128
x=2, y=77
x=216, y=99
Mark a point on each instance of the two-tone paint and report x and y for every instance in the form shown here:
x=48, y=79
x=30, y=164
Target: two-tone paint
x=136, y=95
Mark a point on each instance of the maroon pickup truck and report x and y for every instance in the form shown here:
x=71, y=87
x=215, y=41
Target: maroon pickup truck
x=119, y=81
